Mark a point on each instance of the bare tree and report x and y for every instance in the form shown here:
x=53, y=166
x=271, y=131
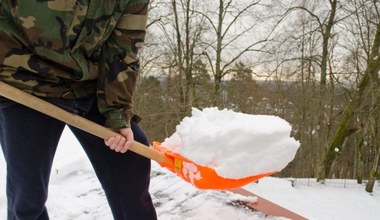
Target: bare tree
x=365, y=100
x=324, y=22
x=231, y=37
x=303, y=48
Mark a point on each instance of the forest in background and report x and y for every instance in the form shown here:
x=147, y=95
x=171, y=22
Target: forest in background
x=314, y=63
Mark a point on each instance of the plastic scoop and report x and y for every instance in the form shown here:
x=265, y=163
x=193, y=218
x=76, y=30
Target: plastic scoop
x=201, y=177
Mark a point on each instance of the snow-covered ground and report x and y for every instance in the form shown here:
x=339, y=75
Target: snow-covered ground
x=75, y=194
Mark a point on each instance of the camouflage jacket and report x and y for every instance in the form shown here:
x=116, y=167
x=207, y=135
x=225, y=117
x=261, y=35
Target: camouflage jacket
x=74, y=49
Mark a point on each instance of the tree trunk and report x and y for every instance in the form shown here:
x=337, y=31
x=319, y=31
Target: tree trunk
x=374, y=172
x=359, y=101
x=323, y=118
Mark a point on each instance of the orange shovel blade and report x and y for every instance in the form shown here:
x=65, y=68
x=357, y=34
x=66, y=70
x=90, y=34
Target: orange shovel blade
x=200, y=176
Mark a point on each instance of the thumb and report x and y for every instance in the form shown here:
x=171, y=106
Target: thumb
x=128, y=134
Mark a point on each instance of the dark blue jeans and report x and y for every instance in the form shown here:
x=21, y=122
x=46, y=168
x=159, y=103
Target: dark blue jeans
x=29, y=140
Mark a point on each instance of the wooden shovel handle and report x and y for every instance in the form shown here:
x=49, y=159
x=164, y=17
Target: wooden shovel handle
x=75, y=120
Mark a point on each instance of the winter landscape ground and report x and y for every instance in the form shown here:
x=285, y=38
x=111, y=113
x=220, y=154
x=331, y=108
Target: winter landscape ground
x=75, y=194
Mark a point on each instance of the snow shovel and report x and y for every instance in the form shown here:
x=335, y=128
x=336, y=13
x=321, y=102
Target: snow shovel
x=202, y=177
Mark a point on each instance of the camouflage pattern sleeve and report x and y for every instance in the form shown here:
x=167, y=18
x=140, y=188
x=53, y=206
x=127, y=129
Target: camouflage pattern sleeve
x=119, y=65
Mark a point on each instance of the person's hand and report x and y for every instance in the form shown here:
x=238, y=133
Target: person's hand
x=122, y=142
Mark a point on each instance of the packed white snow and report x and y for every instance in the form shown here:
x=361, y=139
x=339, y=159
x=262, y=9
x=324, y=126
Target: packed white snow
x=235, y=144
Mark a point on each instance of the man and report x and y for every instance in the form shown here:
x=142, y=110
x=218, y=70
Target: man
x=82, y=56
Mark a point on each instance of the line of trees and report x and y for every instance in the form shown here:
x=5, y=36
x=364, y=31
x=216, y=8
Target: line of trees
x=314, y=63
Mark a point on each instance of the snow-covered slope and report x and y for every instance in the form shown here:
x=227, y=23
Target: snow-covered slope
x=75, y=194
